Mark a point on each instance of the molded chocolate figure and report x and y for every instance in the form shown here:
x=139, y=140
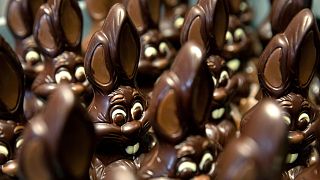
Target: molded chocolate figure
x=20, y=18
x=178, y=112
x=286, y=69
x=59, y=142
x=118, y=107
x=281, y=13
x=259, y=152
x=156, y=53
x=12, y=119
x=98, y=11
x=172, y=20
x=206, y=23
x=57, y=31
x=242, y=10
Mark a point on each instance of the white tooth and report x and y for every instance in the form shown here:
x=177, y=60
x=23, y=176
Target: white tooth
x=291, y=158
x=130, y=149
x=136, y=148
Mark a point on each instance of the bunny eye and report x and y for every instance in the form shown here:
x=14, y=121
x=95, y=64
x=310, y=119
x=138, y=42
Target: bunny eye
x=229, y=38
x=32, y=57
x=243, y=6
x=178, y=22
x=80, y=74
x=19, y=142
x=119, y=116
x=4, y=150
x=287, y=119
x=239, y=34
x=163, y=48
x=137, y=111
x=150, y=52
x=206, y=162
x=303, y=121
x=186, y=168
x=63, y=74
x=224, y=77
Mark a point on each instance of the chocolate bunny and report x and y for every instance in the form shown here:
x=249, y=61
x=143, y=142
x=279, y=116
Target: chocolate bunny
x=12, y=119
x=59, y=142
x=57, y=32
x=257, y=153
x=20, y=18
x=281, y=13
x=156, y=53
x=206, y=23
x=285, y=71
x=118, y=107
x=172, y=19
x=242, y=10
x=98, y=11
x=178, y=112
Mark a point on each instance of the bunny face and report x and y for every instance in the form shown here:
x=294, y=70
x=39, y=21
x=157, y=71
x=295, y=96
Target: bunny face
x=118, y=106
x=20, y=17
x=242, y=10
x=59, y=41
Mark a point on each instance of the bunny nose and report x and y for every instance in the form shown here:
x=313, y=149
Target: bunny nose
x=295, y=137
x=219, y=95
x=131, y=129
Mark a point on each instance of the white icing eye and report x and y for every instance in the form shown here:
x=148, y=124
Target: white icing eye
x=187, y=165
x=119, y=116
x=80, y=74
x=33, y=57
x=287, y=120
x=206, y=158
x=229, y=38
x=4, y=150
x=19, y=143
x=137, y=111
x=163, y=47
x=243, y=6
x=223, y=76
x=63, y=75
x=304, y=117
x=150, y=52
x=214, y=81
x=179, y=22
x=239, y=34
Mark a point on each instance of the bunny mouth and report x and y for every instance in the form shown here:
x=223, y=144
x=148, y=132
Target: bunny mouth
x=132, y=149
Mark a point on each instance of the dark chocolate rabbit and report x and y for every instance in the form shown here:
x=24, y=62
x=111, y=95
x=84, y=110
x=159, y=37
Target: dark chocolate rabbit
x=57, y=31
x=156, y=53
x=285, y=71
x=178, y=112
x=259, y=152
x=98, y=11
x=12, y=119
x=206, y=23
x=59, y=142
x=118, y=107
x=20, y=18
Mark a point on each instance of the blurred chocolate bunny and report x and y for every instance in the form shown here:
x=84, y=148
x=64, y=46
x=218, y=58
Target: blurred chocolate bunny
x=118, y=107
x=20, y=18
x=57, y=32
x=59, y=142
x=12, y=119
x=285, y=71
x=178, y=112
x=156, y=53
x=241, y=9
x=257, y=153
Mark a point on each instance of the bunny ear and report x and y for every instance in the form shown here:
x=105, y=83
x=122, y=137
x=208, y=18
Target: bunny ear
x=70, y=20
x=98, y=10
x=283, y=11
x=305, y=43
x=44, y=31
x=194, y=27
x=272, y=68
x=153, y=8
x=195, y=83
x=217, y=18
x=64, y=139
x=11, y=83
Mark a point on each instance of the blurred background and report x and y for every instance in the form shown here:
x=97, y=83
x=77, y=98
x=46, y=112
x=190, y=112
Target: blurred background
x=261, y=8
